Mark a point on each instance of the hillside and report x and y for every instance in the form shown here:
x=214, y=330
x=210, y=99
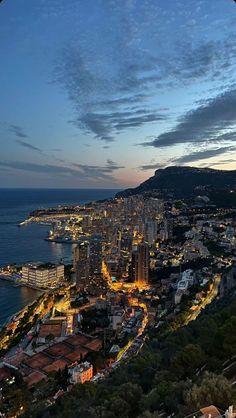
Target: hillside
x=186, y=182
x=174, y=375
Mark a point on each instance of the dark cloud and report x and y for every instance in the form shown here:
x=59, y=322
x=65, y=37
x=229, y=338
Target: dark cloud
x=39, y=168
x=189, y=158
x=204, y=124
x=102, y=124
x=101, y=171
x=136, y=78
x=222, y=162
x=152, y=166
x=29, y=146
x=203, y=155
x=80, y=171
x=194, y=62
x=18, y=131
x=97, y=124
x=122, y=101
x=215, y=164
x=120, y=66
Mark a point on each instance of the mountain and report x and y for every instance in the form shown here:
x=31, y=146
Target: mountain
x=186, y=182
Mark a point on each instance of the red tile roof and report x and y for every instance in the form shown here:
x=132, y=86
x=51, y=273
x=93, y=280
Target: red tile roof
x=37, y=361
x=55, y=366
x=211, y=411
x=59, y=349
x=35, y=377
x=47, y=329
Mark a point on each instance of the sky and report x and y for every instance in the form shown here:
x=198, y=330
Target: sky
x=101, y=93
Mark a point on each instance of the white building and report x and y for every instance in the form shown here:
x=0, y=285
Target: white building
x=42, y=275
x=81, y=373
x=187, y=280
x=117, y=318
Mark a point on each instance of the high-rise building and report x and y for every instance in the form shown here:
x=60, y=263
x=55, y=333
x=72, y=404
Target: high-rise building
x=140, y=263
x=81, y=263
x=118, y=241
x=166, y=231
x=126, y=241
x=95, y=254
x=151, y=231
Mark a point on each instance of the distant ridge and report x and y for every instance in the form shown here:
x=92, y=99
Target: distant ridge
x=186, y=182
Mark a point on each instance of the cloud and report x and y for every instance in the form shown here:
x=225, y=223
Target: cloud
x=82, y=171
x=39, y=168
x=205, y=124
x=189, y=158
x=104, y=125
x=29, y=146
x=207, y=59
x=152, y=166
x=203, y=155
x=101, y=171
x=122, y=68
x=215, y=164
x=18, y=131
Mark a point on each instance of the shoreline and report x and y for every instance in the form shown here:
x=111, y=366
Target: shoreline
x=19, y=284
x=13, y=315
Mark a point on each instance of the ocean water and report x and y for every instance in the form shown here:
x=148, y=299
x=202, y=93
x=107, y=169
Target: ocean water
x=20, y=245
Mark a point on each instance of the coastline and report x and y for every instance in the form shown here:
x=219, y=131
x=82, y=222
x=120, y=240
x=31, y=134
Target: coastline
x=23, y=296
x=21, y=245
x=19, y=284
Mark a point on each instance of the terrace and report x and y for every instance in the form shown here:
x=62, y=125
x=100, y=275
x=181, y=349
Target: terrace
x=38, y=361
x=59, y=350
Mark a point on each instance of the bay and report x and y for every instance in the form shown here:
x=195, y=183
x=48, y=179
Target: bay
x=20, y=245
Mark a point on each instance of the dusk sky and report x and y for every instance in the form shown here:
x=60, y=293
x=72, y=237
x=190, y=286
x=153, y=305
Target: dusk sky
x=100, y=93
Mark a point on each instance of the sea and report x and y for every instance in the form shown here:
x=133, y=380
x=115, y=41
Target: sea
x=23, y=244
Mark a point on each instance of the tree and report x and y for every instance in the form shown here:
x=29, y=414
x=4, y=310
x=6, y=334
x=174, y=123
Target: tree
x=147, y=414
x=188, y=360
x=211, y=390
x=228, y=334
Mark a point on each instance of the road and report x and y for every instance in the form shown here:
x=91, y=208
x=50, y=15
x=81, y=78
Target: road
x=206, y=301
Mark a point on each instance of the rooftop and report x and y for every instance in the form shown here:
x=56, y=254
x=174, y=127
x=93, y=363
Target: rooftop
x=35, y=377
x=82, y=367
x=210, y=412
x=59, y=349
x=56, y=365
x=37, y=265
x=47, y=329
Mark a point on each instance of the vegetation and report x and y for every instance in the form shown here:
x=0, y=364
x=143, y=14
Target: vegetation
x=178, y=374
x=187, y=182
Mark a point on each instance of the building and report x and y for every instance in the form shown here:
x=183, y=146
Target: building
x=151, y=231
x=42, y=275
x=82, y=263
x=210, y=412
x=213, y=412
x=126, y=241
x=117, y=317
x=166, y=231
x=230, y=413
x=81, y=373
x=140, y=263
x=186, y=281
x=95, y=255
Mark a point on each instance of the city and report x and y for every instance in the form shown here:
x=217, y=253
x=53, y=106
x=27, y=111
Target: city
x=141, y=265
x=118, y=209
